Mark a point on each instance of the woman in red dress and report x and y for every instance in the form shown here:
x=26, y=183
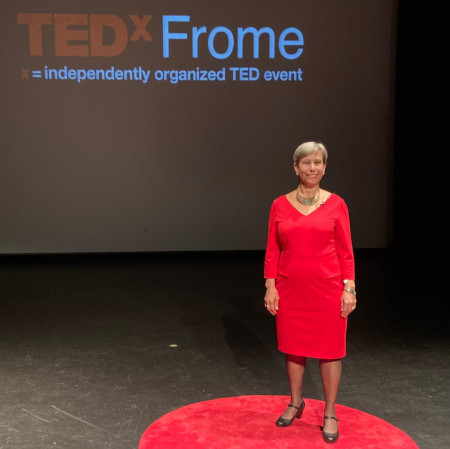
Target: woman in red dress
x=310, y=282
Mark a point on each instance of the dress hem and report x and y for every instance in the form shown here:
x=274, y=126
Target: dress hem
x=315, y=356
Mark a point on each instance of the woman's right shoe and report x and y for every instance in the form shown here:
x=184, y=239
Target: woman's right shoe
x=284, y=422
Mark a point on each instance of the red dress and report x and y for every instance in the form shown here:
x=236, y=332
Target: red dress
x=309, y=256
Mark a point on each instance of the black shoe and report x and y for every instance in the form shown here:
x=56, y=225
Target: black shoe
x=284, y=422
x=330, y=437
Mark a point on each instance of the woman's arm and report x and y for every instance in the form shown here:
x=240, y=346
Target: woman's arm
x=273, y=247
x=271, y=298
x=347, y=260
x=273, y=251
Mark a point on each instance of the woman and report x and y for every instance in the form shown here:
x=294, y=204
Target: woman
x=310, y=282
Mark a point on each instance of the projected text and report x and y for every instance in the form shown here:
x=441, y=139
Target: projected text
x=289, y=44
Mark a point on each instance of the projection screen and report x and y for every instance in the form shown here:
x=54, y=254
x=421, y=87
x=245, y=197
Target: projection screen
x=170, y=125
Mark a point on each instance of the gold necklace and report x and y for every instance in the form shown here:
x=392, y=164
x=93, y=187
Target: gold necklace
x=307, y=201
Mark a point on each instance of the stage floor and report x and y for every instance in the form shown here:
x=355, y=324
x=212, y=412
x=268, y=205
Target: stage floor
x=96, y=348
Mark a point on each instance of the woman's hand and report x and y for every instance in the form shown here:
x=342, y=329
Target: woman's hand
x=271, y=298
x=348, y=303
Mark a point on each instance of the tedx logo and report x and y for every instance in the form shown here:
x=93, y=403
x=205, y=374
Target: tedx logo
x=84, y=34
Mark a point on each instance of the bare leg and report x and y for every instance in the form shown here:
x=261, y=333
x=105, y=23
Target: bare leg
x=330, y=372
x=295, y=366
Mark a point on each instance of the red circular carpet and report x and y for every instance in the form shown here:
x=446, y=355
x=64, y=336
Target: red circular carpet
x=249, y=422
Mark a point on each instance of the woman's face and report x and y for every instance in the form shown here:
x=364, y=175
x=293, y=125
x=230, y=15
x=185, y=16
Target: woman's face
x=310, y=169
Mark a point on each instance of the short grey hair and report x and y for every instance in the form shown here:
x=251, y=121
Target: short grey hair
x=307, y=148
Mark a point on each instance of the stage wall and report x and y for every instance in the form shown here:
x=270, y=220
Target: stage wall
x=170, y=126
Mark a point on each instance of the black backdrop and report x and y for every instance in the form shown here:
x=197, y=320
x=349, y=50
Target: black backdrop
x=421, y=130
x=419, y=127
x=113, y=166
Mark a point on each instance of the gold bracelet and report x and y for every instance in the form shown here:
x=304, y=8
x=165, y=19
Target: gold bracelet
x=351, y=290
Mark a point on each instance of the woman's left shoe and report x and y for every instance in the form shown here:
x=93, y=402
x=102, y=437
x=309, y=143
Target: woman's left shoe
x=330, y=437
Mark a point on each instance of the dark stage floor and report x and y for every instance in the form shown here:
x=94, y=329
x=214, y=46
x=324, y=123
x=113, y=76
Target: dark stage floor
x=87, y=358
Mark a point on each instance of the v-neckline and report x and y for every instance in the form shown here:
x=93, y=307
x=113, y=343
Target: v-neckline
x=307, y=215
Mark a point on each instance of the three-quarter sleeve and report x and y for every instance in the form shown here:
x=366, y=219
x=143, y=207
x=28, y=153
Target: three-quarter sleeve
x=344, y=243
x=273, y=248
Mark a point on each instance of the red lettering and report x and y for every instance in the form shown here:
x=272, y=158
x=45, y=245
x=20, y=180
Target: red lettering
x=98, y=22
x=35, y=23
x=141, y=28
x=83, y=34
x=64, y=35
